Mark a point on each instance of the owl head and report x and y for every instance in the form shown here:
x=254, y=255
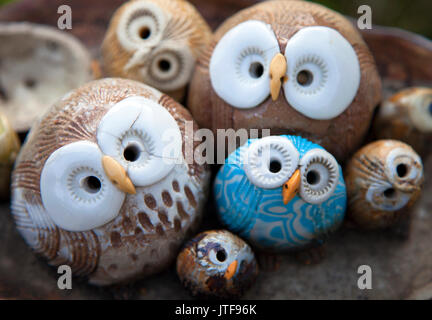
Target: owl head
x=281, y=192
x=293, y=67
x=384, y=179
x=101, y=183
x=217, y=263
x=407, y=116
x=155, y=42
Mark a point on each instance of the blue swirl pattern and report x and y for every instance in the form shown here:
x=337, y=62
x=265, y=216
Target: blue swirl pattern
x=260, y=216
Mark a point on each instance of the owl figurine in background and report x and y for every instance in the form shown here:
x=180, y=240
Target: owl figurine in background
x=281, y=193
x=217, y=264
x=101, y=183
x=156, y=42
x=383, y=179
x=407, y=116
x=294, y=67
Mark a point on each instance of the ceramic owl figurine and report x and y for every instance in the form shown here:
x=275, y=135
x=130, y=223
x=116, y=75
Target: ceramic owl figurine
x=217, y=264
x=101, y=183
x=156, y=42
x=407, y=116
x=9, y=147
x=383, y=179
x=294, y=67
x=281, y=193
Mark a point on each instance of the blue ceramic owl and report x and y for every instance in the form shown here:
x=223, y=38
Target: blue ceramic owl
x=281, y=193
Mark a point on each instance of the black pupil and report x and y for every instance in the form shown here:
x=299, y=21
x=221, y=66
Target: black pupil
x=275, y=166
x=92, y=184
x=164, y=65
x=144, y=33
x=30, y=83
x=312, y=177
x=402, y=170
x=131, y=153
x=304, y=78
x=256, y=70
x=221, y=255
x=389, y=193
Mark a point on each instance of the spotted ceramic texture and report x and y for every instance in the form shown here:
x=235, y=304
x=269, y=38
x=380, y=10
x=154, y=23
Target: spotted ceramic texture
x=146, y=233
x=384, y=179
x=260, y=216
x=407, y=116
x=39, y=64
x=156, y=42
x=218, y=264
x=289, y=24
x=9, y=148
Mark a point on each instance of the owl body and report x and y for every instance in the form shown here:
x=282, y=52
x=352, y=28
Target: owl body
x=266, y=69
x=156, y=42
x=69, y=203
x=407, y=116
x=217, y=264
x=384, y=179
x=259, y=213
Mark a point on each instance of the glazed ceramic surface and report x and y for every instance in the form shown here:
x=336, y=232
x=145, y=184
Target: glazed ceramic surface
x=39, y=64
x=156, y=42
x=384, y=180
x=9, y=147
x=217, y=263
x=92, y=187
x=260, y=215
x=294, y=67
x=407, y=116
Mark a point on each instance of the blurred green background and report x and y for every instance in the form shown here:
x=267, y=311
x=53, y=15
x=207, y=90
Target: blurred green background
x=413, y=15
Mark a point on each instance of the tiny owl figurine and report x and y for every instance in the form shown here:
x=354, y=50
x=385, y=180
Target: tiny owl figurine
x=9, y=147
x=293, y=67
x=217, y=264
x=383, y=179
x=407, y=116
x=101, y=183
x=156, y=42
x=281, y=193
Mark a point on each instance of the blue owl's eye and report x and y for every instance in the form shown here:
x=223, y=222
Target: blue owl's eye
x=430, y=108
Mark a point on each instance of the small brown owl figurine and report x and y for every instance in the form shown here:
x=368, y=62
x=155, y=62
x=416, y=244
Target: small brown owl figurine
x=217, y=264
x=102, y=184
x=407, y=116
x=156, y=42
x=383, y=180
x=294, y=67
x=9, y=147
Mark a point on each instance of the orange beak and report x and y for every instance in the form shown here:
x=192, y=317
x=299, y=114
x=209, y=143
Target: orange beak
x=229, y=273
x=278, y=69
x=117, y=175
x=291, y=187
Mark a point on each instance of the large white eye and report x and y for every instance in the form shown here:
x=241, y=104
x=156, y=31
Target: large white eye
x=75, y=191
x=323, y=73
x=404, y=168
x=420, y=109
x=239, y=66
x=319, y=176
x=143, y=137
x=271, y=161
x=141, y=23
x=218, y=256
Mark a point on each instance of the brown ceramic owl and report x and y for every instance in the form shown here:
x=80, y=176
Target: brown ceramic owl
x=102, y=183
x=217, y=264
x=156, y=42
x=9, y=147
x=407, y=116
x=294, y=67
x=383, y=180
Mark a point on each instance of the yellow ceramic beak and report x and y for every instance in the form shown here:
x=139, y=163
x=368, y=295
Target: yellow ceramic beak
x=291, y=187
x=229, y=273
x=117, y=175
x=278, y=68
